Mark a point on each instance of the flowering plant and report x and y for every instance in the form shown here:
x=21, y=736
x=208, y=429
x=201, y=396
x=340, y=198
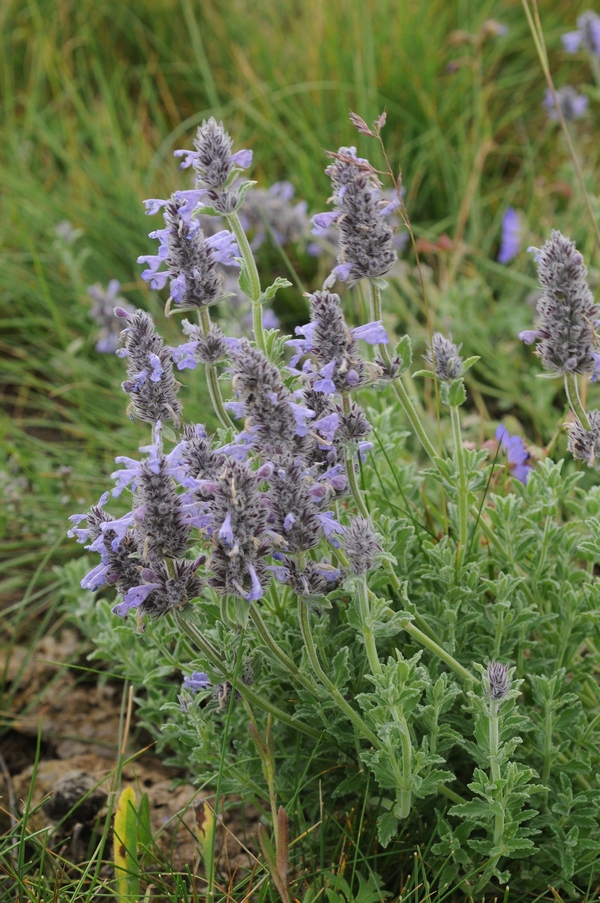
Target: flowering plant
x=440, y=654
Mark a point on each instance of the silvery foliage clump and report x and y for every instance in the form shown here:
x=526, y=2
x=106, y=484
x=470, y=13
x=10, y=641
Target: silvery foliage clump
x=437, y=665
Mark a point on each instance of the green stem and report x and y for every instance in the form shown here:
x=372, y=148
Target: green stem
x=399, y=390
x=344, y=706
x=278, y=652
x=211, y=654
x=368, y=635
x=494, y=741
x=572, y=390
x=254, y=289
x=547, y=746
x=463, y=497
x=350, y=456
x=212, y=377
x=405, y=785
x=436, y=649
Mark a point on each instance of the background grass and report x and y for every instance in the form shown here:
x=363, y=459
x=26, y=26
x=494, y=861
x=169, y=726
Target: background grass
x=96, y=96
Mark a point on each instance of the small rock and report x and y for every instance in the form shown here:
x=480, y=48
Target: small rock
x=77, y=796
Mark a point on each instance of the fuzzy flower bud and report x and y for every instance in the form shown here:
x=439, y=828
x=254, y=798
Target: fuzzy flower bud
x=497, y=683
x=585, y=444
x=444, y=357
x=566, y=309
x=151, y=382
x=362, y=545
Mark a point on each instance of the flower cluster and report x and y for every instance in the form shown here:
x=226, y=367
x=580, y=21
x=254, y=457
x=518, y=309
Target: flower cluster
x=566, y=310
x=189, y=257
x=271, y=210
x=587, y=34
x=366, y=240
x=216, y=167
x=572, y=104
x=103, y=313
x=150, y=379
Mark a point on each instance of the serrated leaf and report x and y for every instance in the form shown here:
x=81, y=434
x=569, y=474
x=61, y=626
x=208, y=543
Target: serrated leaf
x=387, y=828
x=269, y=293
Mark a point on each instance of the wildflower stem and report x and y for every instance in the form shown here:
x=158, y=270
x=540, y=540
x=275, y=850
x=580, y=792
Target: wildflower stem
x=438, y=650
x=313, y=657
x=365, y=616
x=397, y=385
x=572, y=390
x=350, y=455
x=278, y=652
x=252, y=276
x=212, y=656
x=494, y=742
x=463, y=494
x=212, y=377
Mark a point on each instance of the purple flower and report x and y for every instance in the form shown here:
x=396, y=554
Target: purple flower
x=134, y=598
x=301, y=415
x=326, y=384
x=512, y=232
x=529, y=336
x=572, y=104
x=184, y=355
x=329, y=524
x=257, y=591
x=587, y=34
x=103, y=313
x=195, y=681
x=226, y=533
x=516, y=454
x=323, y=221
x=372, y=333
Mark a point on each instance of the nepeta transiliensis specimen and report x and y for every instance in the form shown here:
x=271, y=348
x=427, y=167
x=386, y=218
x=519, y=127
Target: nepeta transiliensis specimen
x=366, y=240
x=444, y=357
x=567, y=313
